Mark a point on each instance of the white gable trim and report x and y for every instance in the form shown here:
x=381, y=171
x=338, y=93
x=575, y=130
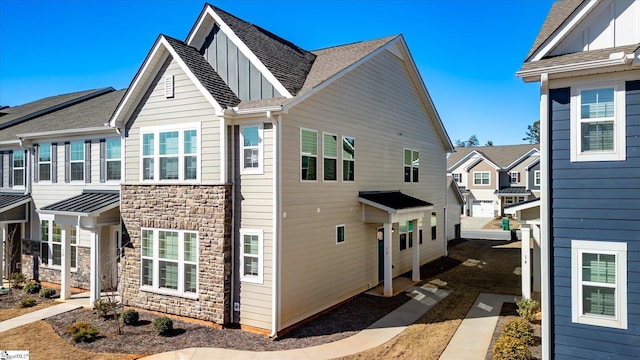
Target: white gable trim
x=531, y=152
x=533, y=163
x=563, y=31
x=244, y=49
x=480, y=159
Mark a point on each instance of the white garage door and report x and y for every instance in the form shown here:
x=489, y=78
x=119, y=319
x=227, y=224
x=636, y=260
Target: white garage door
x=482, y=208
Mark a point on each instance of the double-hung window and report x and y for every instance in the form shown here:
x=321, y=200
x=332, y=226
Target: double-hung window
x=330, y=156
x=481, y=178
x=411, y=165
x=536, y=178
x=308, y=154
x=515, y=177
x=251, y=256
x=598, y=123
x=457, y=177
x=348, y=158
x=113, y=158
x=252, y=149
x=599, y=283
x=77, y=160
x=405, y=229
x=170, y=155
x=169, y=261
x=18, y=168
x=340, y=234
x=51, y=244
x=44, y=162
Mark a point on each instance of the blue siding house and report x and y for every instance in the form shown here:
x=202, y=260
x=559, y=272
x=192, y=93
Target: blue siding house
x=587, y=60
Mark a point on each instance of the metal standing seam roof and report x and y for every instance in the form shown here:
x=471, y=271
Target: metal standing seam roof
x=85, y=203
x=10, y=201
x=513, y=190
x=394, y=200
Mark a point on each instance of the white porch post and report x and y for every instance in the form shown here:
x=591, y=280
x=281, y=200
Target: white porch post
x=388, y=271
x=94, y=282
x=526, y=262
x=65, y=272
x=3, y=230
x=415, y=270
x=537, y=287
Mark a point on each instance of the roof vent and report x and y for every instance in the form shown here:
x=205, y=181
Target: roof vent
x=168, y=86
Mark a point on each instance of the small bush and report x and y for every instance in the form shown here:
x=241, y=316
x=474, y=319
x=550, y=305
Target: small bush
x=47, y=292
x=527, y=308
x=83, y=331
x=130, y=317
x=28, y=302
x=104, y=307
x=32, y=287
x=520, y=329
x=17, y=280
x=163, y=325
x=510, y=348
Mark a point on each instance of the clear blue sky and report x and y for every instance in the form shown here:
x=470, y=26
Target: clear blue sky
x=467, y=51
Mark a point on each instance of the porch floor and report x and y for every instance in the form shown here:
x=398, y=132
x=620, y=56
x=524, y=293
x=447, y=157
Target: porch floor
x=82, y=298
x=399, y=284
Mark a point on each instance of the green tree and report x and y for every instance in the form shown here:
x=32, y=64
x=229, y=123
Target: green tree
x=533, y=133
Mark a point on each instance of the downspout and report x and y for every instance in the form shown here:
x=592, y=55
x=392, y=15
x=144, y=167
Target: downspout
x=233, y=222
x=545, y=296
x=275, y=291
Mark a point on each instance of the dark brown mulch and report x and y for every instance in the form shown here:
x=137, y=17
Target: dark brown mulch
x=508, y=313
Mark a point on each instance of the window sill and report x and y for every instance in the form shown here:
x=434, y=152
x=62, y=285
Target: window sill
x=169, y=292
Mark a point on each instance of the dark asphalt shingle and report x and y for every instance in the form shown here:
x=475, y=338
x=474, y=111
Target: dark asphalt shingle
x=394, y=199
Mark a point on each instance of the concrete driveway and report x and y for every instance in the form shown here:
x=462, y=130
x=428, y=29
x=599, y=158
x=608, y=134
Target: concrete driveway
x=472, y=228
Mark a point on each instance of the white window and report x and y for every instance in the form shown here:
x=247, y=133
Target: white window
x=348, y=158
x=169, y=261
x=515, y=177
x=339, y=234
x=251, y=258
x=599, y=283
x=171, y=155
x=481, y=178
x=252, y=149
x=598, y=123
x=457, y=177
x=434, y=221
x=44, y=162
x=51, y=244
x=536, y=178
x=330, y=156
x=508, y=200
x=411, y=165
x=77, y=160
x=308, y=154
x=405, y=229
x=18, y=168
x=112, y=158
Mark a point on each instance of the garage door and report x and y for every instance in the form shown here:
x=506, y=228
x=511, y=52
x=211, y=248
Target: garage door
x=482, y=208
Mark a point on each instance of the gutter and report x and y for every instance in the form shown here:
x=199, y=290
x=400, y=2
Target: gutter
x=277, y=160
x=615, y=59
x=67, y=132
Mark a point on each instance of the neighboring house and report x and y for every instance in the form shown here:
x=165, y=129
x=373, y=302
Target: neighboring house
x=587, y=60
x=455, y=208
x=69, y=177
x=265, y=183
x=492, y=177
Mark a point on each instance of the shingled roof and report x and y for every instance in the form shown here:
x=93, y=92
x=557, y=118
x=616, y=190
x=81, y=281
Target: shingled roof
x=502, y=156
x=289, y=63
x=206, y=75
x=559, y=13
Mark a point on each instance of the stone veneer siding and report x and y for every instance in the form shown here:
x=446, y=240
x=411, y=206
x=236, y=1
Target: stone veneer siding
x=80, y=277
x=202, y=208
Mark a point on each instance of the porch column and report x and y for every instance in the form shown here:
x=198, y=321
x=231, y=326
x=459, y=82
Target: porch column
x=537, y=266
x=94, y=282
x=526, y=262
x=65, y=272
x=415, y=270
x=388, y=271
x=3, y=231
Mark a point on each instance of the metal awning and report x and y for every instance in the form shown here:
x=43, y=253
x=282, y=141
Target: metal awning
x=513, y=190
x=394, y=202
x=89, y=203
x=11, y=201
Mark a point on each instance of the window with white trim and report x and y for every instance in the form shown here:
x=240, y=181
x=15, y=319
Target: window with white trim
x=169, y=261
x=76, y=159
x=457, y=177
x=434, y=222
x=112, y=158
x=51, y=244
x=481, y=178
x=330, y=156
x=405, y=230
x=536, y=177
x=411, y=165
x=251, y=256
x=599, y=283
x=171, y=155
x=252, y=149
x=598, y=122
x=515, y=177
x=44, y=162
x=339, y=234
x=308, y=154
x=348, y=158
x=18, y=168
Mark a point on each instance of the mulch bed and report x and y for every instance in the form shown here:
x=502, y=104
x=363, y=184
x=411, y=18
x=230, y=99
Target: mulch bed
x=508, y=313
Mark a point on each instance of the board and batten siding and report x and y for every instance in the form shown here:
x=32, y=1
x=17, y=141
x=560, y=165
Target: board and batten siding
x=187, y=106
x=378, y=105
x=593, y=201
x=253, y=207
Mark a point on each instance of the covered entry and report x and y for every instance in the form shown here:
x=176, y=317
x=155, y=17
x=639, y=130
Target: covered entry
x=14, y=212
x=387, y=208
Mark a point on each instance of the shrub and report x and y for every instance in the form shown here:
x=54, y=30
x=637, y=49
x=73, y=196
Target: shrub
x=47, y=292
x=527, y=308
x=32, y=287
x=104, y=307
x=83, y=331
x=130, y=317
x=520, y=329
x=510, y=348
x=17, y=280
x=163, y=325
x=28, y=302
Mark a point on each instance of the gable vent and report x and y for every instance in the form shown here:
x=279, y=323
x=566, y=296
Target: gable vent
x=168, y=86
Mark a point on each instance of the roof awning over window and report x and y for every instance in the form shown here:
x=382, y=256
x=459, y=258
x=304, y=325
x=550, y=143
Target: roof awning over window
x=13, y=207
x=393, y=206
x=90, y=203
x=513, y=190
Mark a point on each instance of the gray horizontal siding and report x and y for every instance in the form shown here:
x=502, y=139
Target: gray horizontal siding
x=594, y=201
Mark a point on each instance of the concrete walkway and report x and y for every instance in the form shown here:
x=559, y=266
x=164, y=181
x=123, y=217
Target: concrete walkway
x=473, y=337
x=38, y=315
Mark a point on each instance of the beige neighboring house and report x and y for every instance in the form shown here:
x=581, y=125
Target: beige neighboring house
x=492, y=177
x=265, y=183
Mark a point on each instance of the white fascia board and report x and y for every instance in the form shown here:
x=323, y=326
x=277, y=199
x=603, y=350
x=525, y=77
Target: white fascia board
x=10, y=142
x=521, y=158
x=518, y=207
x=462, y=160
x=244, y=49
x=532, y=164
x=68, y=132
x=62, y=213
x=15, y=205
x=595, y=66
x=480, y=159
x=563, y=31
